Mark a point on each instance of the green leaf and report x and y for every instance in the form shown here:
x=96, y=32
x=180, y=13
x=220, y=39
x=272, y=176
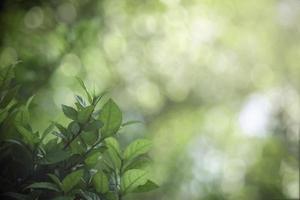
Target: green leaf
x=93, y=126
x=60, y=135
x=137, y=148
x=114, y=145
x=15, y=195
x=137, y=163
x=55, y=156
x=3, y=115
x=80, y=100
x=74, y=127
x=47, y=131
x=100, y=182
x=27, y=135
x=85, y=113
x=131, y=122
x=89, y=195
x=69, y=112
x=64, y=198
x=148, y=186
x=132, y=179
x=113, y=153
x=85, y=89
x=44, y=185
x=71, y=180
x=92, y=158
x=111, y=116
x=56, y=180
x=89, y=137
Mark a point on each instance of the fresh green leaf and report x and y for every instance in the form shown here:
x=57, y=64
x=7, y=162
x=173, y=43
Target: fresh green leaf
x=27, y=135
x=85, y=113
x=138, y=163
x=114, y=145
x=85, y=89
x=148, y=186
x=44, y=185
x=131, y=122
x=111, y=116
x=71, y=180
x=69, y=112
x=100, y=182
x=92, y=158
x=132, y=179
x=80, y=100
x=137, y=148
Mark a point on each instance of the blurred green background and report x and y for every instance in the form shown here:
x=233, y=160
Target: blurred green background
x=216, y=84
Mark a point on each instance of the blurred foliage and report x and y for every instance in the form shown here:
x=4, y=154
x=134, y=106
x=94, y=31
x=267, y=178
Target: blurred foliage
x=216, y=83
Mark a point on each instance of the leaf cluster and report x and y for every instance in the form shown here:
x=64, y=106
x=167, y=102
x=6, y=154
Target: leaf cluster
x=80, y=160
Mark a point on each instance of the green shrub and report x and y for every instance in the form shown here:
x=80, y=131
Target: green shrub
x=82, y=160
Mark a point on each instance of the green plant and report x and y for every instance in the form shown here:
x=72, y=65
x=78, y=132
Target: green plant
x=82, y=160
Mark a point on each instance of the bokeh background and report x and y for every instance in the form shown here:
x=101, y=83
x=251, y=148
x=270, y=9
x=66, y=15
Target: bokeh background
x=215, y=83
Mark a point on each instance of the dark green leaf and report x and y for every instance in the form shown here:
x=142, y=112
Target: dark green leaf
x=69, y=112
x=74, y=127
x=15, y=195
x=55, y=156
x=89, y=195
x=56, y=180
x=93, y=126
x=44, y=185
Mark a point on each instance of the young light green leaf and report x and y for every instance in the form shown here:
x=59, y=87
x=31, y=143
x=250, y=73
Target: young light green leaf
x=43, y=185
x=85, y=113
x=69, y=112
x=113, y=144
x=148, y=186
x=92, y=158
x=132, y=179
x=137, y=148
x=111, y=116
x=141, y=162
x=47, y=131
x=71, y=180
x=80, y=100
x=27, y=135
x=131, y=122
x=113, y=153
x=100, y=182
x=85, y=89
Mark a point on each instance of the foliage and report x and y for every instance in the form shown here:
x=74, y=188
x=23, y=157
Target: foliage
x=82, y=160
